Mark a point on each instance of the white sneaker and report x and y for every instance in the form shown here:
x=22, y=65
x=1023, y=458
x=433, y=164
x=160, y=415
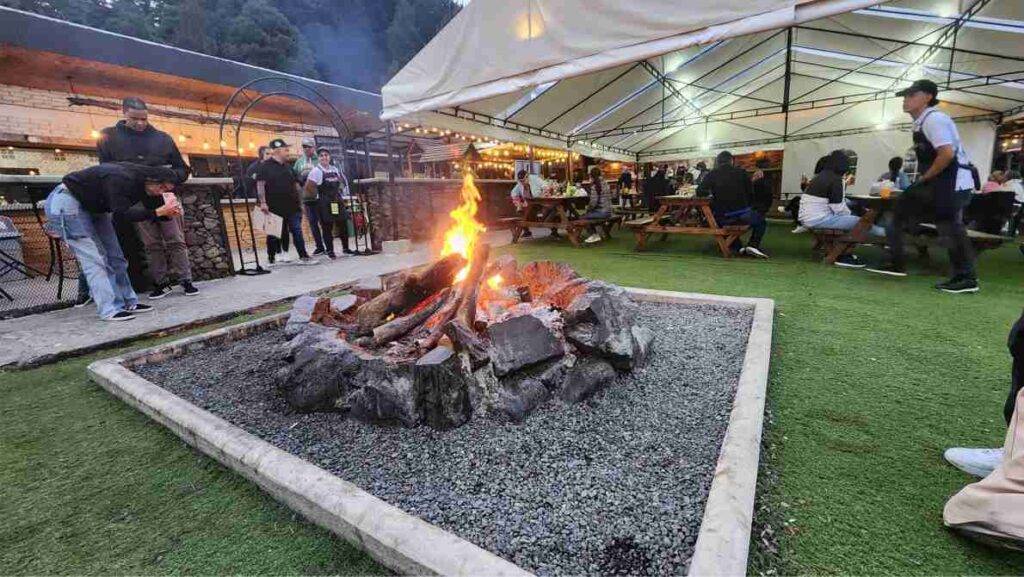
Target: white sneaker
x=799, y=229
x=284, y=257
x=977, y=462
x=593, y=238
x=753, y=251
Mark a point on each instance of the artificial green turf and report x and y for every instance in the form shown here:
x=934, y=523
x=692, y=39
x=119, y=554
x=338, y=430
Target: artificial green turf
x=88, y=485
x=871, y=379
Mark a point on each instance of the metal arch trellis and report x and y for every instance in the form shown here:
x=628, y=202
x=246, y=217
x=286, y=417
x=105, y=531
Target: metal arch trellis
x=326, y=110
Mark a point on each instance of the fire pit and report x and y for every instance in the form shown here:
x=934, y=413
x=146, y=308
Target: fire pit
x=463, y=337
x=500, y=348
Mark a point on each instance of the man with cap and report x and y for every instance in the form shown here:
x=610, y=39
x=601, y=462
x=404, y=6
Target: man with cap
x=302, y=167
x=80, y=211
x=325, y=183
x=943, y=189
x=278, y=192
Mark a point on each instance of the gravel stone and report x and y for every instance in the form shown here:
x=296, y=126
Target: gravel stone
x=614, y=485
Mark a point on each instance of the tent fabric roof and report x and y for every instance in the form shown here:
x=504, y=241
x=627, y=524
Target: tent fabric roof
x=443, y=152
x=644, y=78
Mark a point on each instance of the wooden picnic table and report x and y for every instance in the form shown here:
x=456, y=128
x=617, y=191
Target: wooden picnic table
x=567, y=212
x=679, y=214
x=836, y=243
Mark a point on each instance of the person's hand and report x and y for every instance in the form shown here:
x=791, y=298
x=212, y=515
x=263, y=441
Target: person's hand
x=169, y=210
x=265, y=208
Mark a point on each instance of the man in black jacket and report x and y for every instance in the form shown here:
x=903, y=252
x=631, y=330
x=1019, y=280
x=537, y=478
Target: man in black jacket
x=134, y=140
x=730, y=191
x=80, y=211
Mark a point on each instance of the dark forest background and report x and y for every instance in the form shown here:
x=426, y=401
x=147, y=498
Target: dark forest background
x=357, y=43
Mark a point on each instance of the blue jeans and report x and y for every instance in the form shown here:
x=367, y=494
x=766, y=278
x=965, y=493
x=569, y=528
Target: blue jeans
x=94, y=242
x=756, y=220
x=842, y=222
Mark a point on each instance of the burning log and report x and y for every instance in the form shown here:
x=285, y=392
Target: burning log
x=457, y=301
x=465, y=339
x=411, y=291
x=402, y=326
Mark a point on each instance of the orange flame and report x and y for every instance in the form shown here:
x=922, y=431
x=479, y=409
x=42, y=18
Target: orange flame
x=495, y=282
x=462, y=235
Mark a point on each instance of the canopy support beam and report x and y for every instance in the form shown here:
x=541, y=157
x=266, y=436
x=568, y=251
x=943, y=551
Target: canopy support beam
x=911, y=43
x=795, y=137
x=786, y=86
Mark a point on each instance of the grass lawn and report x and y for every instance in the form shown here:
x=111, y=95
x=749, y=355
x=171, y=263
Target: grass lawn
x=871, y=379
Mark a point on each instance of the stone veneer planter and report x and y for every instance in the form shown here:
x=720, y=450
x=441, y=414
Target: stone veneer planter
x=407, y=544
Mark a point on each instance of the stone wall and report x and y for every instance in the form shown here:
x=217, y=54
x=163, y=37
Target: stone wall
x=205, y=232
x=417, y=209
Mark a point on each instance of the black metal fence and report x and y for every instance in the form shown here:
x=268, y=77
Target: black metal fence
x=37, y=272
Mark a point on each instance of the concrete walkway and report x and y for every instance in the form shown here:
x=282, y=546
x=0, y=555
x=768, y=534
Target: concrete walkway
x=39, y=339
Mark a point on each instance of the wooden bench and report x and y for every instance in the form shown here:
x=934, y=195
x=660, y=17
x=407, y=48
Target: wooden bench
x=573, y=228
x=830, y=244
x=980, y=240
x=688, y=216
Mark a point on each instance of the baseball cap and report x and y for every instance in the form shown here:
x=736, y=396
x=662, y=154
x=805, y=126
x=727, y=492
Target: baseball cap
x=277, y=143
x=323, y=149
x=922, y=85
x=308, y=142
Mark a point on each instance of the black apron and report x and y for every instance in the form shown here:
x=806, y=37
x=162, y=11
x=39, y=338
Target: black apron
x=941, y=190
x=329, y=203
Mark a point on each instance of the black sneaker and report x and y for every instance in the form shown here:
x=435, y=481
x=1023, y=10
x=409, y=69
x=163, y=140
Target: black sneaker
x=271, y=259
x=332, y=256
x=120, y=316
x=319, y=251
x=159, y=292
x=527, y=234
x=889, y=269
x=189, y=288
x=849, y=261
x=347, y=251
x=958, y=284
x=140, y=308
x=83, y=302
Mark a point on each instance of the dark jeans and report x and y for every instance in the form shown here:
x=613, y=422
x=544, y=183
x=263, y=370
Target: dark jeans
x=316, y=224
x=916, y=203
x=292, y=224
x=1016, y=345
x=756, y=220
x=595, y=215
x=332, y=224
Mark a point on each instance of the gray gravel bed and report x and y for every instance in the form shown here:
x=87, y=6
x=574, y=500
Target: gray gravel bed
x=614, y=485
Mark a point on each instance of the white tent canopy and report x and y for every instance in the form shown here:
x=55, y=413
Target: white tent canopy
x=663, y=79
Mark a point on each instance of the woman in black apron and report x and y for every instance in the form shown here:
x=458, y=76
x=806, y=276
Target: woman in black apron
x=936, y=196
x=330, y=207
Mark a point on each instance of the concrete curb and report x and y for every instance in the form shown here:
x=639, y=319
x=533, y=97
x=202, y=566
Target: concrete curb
x=406, y=544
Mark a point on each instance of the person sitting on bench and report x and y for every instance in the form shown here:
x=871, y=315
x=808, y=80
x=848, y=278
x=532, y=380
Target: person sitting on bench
x=530, y=186
x=823, y=205
x=730, y=191
x=600, y=205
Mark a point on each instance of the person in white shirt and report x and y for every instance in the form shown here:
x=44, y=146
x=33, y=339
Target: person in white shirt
x=530, y=186
x=942, y=191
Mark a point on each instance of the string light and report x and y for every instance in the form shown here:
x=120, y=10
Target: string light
x=182, y=138
x=206, y=145
x=94, y=133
